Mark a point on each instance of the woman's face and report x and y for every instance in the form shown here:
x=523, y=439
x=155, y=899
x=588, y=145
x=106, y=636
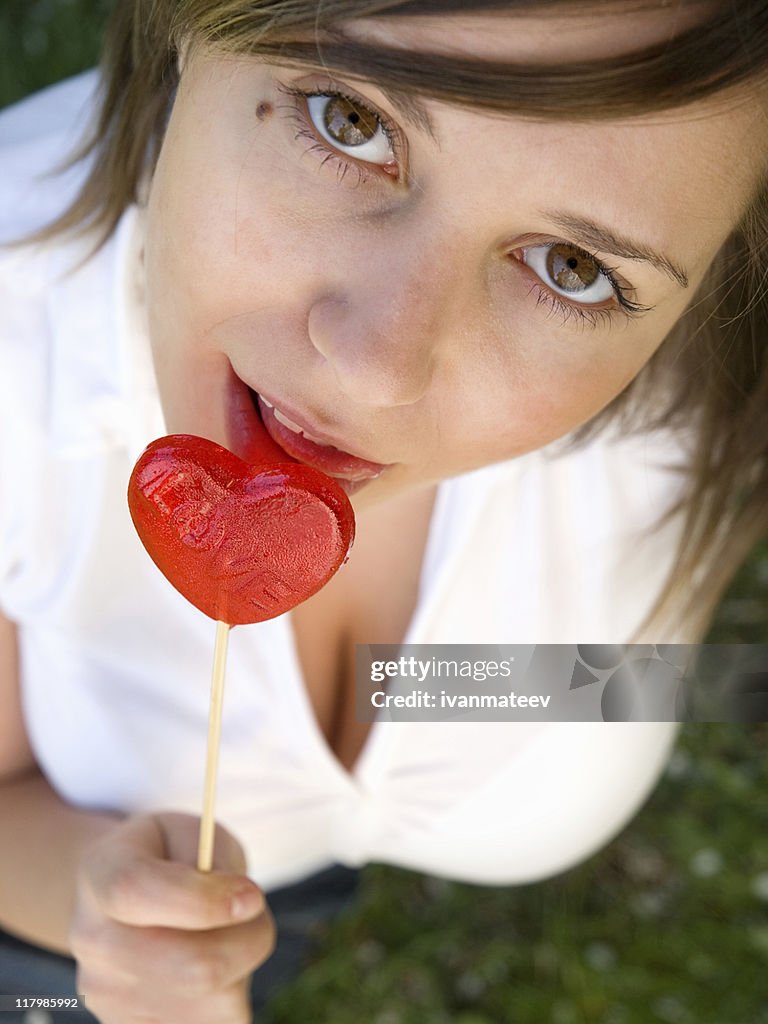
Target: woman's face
x=428, y=300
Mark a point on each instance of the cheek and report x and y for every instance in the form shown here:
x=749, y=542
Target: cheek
x=551, y=385
x=211, y=255
x=197, y=205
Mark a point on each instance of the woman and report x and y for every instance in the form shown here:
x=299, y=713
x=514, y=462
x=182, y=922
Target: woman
x=415, y=251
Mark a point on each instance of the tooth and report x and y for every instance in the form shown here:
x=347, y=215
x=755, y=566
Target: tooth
x=316, y=440
x=268, y=404
x=282, y=418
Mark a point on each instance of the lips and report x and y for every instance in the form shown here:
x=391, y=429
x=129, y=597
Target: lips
x=257, y=435
x=331, y=460
x=246, y=436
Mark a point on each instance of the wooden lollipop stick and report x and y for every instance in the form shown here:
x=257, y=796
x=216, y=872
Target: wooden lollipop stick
x=205, y=845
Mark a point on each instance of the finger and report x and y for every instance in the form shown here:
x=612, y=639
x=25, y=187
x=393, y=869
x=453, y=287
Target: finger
x=162, y=964
x=136, y=889
x=220, y=958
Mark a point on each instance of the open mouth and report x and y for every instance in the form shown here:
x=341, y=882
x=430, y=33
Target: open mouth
x=260, y=433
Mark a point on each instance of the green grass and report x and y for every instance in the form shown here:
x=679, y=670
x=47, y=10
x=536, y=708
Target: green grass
x=43, y=41
x=667, y=924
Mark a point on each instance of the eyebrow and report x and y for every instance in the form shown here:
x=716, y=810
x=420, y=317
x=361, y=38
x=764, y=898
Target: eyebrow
x=587, y=233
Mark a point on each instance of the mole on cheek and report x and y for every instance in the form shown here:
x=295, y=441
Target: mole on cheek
x=264, y=110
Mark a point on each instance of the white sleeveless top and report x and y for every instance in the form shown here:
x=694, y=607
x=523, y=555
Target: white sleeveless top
x=115, y=663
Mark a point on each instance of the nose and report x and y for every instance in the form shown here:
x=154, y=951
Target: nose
x=383, y=320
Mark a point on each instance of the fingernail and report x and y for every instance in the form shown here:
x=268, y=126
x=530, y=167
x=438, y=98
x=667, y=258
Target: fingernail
x=247, y=903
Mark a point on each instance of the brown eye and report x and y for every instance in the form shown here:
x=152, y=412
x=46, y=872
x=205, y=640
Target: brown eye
x=345, y=123
x=348, y=122
x=569, y=271
x=570, y=268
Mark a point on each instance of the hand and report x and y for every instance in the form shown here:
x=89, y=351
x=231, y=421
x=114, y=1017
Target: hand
x=157, y=940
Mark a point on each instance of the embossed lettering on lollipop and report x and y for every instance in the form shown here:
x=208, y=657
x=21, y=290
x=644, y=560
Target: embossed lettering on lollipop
x=263, y=587
x=193, y=516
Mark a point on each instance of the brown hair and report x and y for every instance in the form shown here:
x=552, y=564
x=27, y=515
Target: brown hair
x=720, y=384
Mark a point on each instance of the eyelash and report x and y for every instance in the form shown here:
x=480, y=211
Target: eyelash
x=296, y=111
x=589, y=315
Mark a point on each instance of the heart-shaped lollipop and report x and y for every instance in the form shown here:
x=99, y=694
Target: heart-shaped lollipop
x=242, y=543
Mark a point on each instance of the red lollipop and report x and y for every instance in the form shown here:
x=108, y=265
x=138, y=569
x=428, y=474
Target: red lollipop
x=242, y=543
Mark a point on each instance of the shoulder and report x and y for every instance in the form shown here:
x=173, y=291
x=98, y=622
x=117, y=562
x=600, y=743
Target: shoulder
x=57, y=306
x=624, y=474
x=65, y=405
x=38, y=136
x=567, y=543
x=613, y=483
